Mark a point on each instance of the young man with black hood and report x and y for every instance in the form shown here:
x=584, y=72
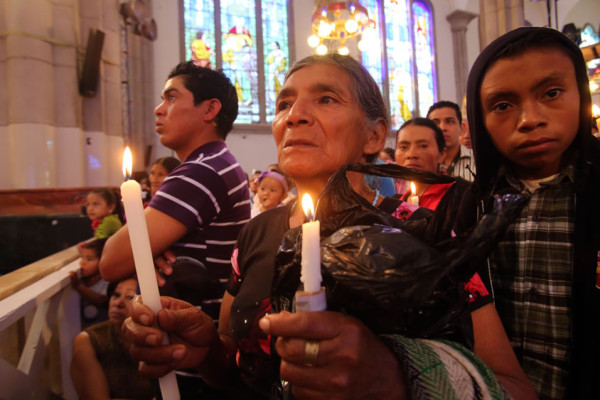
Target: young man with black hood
x=531, y=133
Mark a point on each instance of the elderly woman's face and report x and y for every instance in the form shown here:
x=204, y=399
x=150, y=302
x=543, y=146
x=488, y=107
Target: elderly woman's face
x=319, y=125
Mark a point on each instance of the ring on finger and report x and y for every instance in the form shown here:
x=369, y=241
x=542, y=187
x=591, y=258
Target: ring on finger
x=311, y=351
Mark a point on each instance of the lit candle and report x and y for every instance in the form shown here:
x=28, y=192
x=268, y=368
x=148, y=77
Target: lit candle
x=413, y=199
x=311, y=249
x=131, y=194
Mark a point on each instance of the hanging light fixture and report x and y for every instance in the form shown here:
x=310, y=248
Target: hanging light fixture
x=335, y=21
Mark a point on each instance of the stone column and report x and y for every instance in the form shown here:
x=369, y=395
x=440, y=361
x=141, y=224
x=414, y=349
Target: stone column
x=29, y=74
x=498, y=17
x=69, y=136
x=4, y=161
x=459, y=20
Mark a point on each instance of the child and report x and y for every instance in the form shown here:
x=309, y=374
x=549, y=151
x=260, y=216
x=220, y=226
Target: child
x=529, y=111
x=104, y=209
x=90, y=286
x=272, y=190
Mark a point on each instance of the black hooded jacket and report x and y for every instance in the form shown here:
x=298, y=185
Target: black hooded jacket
x=584, y=153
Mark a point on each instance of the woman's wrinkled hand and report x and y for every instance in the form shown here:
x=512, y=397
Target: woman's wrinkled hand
x=350, y=363
x=191, y=332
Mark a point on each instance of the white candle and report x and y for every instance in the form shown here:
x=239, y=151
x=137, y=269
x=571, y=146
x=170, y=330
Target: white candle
x=131, y=194
x=311, y=249
x=413, y=199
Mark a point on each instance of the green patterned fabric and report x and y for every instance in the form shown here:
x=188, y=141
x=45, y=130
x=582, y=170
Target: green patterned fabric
x=108, y=227
x=444, y=370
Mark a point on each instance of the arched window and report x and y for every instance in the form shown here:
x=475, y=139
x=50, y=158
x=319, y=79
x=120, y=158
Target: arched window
x=224, y=34
x=403, y=63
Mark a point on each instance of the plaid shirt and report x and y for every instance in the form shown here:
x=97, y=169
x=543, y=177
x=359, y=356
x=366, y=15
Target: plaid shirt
x=531, y=271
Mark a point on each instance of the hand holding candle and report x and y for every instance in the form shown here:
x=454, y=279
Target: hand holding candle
x=313, y=297
x=131, y=193
x=413, y=199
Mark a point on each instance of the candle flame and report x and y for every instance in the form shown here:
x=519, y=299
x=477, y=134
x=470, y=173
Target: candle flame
x=413, y=190
x=127, y=163
x=596, y=111
x=307, y=206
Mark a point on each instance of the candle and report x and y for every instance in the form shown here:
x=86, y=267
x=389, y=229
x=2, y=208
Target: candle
x=311, y=249
x=131, y=194
x=413, y=199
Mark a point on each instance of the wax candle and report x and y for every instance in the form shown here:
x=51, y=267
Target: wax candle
x=311, y=250
x=413, y=198
x=131, y=194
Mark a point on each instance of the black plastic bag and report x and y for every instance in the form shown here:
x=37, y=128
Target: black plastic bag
x=396, y=277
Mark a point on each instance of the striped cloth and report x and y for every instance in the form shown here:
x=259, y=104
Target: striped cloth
x=463, y=165
x=443, y=370
x=208, y=193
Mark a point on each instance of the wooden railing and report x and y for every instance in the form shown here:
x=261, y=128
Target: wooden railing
x=39, y=318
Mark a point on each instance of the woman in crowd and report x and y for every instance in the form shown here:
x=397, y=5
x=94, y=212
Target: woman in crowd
x=101, y=368
x=329, y=113
x=159, y=171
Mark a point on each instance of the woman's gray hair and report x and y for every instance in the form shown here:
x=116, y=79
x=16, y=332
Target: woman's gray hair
x=364, y=87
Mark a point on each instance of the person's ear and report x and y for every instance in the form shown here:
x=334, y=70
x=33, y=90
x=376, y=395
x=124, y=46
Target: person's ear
x=213, y=107
x=376, y=139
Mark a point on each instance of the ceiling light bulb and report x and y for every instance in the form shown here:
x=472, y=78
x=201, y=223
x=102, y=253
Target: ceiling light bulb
x=313, y=41
x=351, y=25
x=324, y=29
x=343, y=51
x=321, y=49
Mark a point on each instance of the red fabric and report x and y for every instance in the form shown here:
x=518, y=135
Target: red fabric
x=96, y=224
x=476, y=288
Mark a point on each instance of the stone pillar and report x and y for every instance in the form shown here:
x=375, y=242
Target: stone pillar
x=111, y=81
x=458, y=25
x=90, y=16
x=29, y=75
x=69, y=136
x=498, y=17
x=4, y=161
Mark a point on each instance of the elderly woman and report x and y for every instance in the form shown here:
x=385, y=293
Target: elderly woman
x=329, y=113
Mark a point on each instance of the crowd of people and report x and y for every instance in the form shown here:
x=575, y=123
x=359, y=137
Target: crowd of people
x=216, y=235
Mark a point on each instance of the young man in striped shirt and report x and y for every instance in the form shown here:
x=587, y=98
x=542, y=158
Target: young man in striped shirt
x=459, y=159
x=199, y=209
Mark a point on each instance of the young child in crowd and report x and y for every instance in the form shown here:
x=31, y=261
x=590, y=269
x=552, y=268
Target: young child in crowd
x=529, y=109
x=104, y=208
x=90, y=286
x=272, y=190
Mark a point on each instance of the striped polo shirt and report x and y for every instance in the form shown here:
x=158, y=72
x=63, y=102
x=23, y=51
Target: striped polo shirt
x=208, y=193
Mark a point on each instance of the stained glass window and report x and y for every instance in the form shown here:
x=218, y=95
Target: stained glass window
x=255, y=56
x=405, y=69
x=424, y=59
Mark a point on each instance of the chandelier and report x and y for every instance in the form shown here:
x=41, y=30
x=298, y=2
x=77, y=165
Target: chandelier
x=335, y=21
